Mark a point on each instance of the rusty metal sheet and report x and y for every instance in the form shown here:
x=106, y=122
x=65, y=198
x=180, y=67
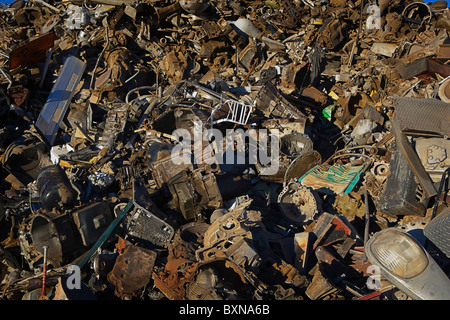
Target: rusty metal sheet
x=385, y=49
x=32, y=52
x=444, y=52
x=132, y=270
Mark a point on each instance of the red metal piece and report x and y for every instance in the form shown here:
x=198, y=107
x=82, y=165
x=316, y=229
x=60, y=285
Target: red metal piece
x=44, y=271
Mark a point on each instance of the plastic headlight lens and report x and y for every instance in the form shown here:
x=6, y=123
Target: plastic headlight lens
x=399, y=253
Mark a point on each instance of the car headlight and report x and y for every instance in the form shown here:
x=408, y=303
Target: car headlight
x=406, y=264
x=399, y=253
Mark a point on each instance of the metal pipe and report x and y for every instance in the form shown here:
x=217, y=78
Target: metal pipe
x=367, y=217
x=101, y=55
x=44, y=271
x=149, y=88
x=48, y=5
x=350, y=60
x=439, y=193
x=6, y=76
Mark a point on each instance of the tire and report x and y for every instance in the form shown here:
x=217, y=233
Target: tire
x=438, y=231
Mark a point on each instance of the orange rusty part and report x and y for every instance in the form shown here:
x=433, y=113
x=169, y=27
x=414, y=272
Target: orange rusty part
x=31, y=52
x=177, y=273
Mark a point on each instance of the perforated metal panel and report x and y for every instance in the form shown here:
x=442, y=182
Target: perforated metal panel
x=428, y=115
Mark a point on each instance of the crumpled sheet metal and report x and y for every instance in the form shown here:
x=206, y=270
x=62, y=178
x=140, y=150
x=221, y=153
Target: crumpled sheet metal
x=342, y=88
x=132, y=269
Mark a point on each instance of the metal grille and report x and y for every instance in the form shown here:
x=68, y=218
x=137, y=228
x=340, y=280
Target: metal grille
x=428, y=115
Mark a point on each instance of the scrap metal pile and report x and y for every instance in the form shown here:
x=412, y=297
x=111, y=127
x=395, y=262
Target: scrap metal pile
x=353, y=97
